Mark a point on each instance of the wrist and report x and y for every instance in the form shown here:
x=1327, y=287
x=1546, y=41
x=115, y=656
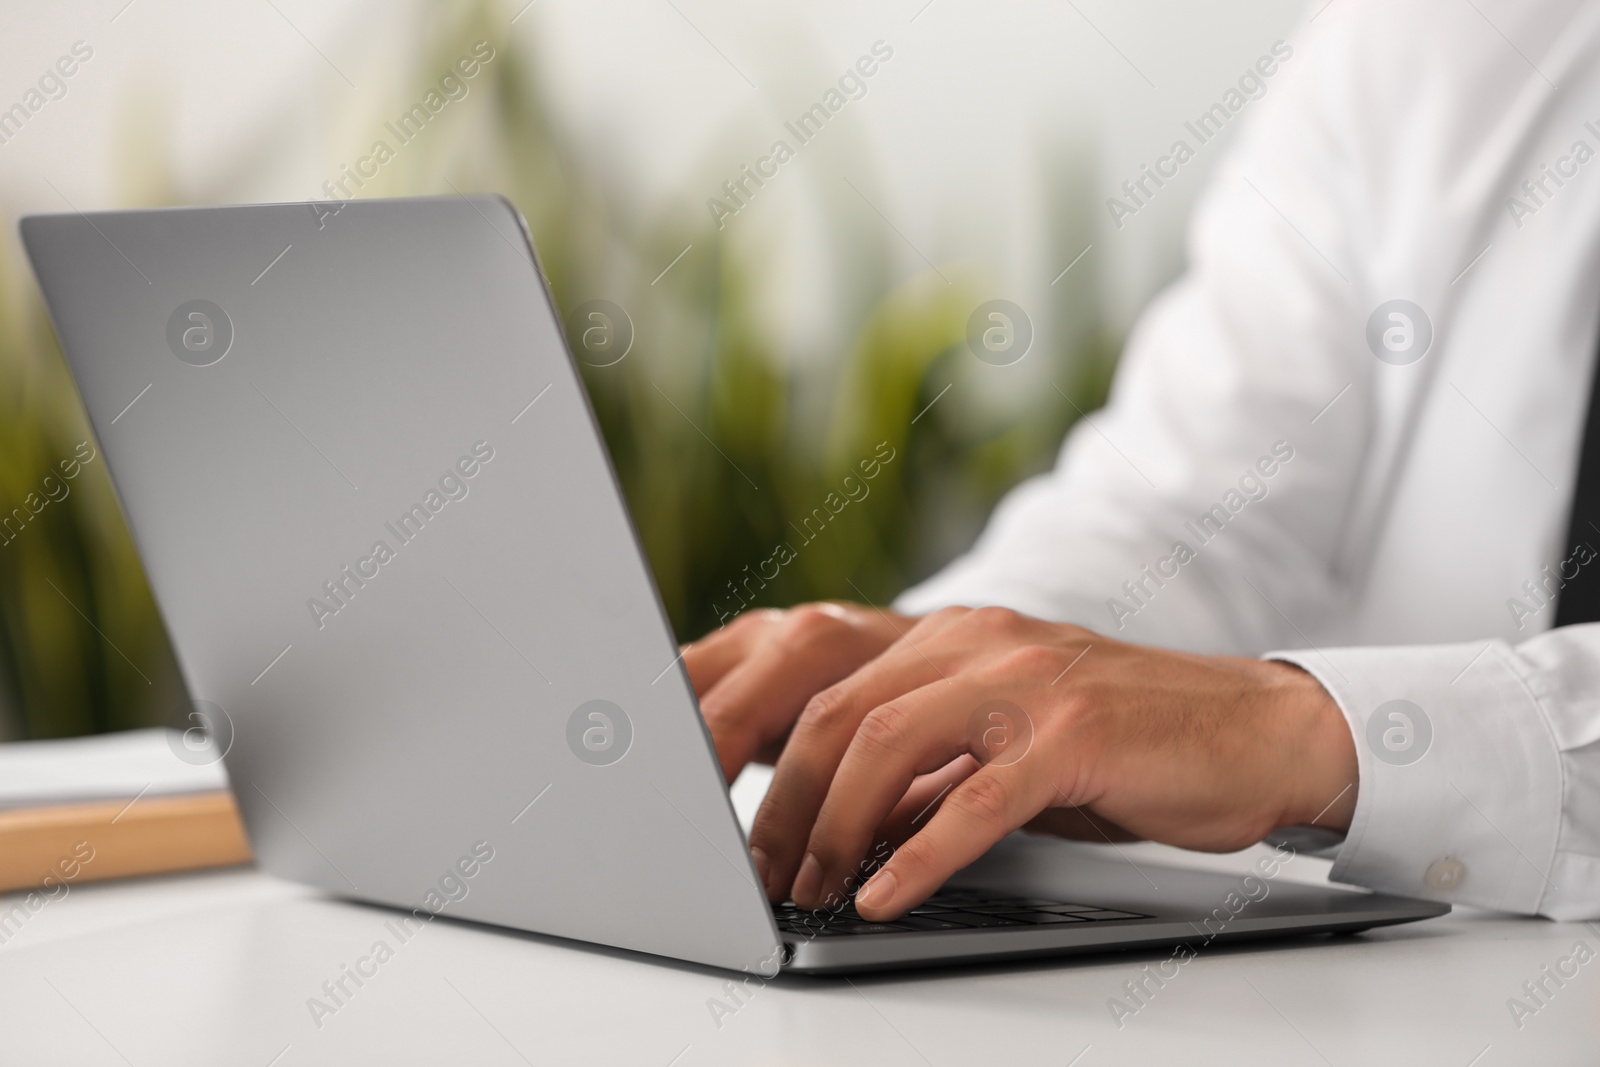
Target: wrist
x=1323, y=769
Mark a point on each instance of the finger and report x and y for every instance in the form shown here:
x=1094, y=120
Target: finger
x=927, y=792
x=1078, y=824
x=821, y=736
x=976, y=814
x=758, y=700
x=914, y=734
x=769, y=750
x=718, y=652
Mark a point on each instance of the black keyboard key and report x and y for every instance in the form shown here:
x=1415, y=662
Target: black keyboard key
x=821, y=915
x=1044, y=918
x=833, y=922
x=969, y=918
x=816, y=931
x=1030, y=902
x=872, y=928
x=929, y=922
x=1106, y=916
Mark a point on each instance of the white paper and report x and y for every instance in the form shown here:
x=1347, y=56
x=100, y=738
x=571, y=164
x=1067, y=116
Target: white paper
x=105, y=767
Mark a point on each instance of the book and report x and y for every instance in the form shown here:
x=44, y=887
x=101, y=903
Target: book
x=113, y=806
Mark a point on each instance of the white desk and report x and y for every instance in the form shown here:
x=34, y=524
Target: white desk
x=217, y=968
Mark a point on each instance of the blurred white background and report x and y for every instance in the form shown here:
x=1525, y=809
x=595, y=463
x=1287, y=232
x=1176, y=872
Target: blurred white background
x=963, y=141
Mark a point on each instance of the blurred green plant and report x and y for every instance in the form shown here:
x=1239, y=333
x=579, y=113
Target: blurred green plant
x=725, y=442
x=81, y=647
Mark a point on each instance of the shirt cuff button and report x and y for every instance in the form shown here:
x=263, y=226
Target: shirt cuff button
x=1445, y=874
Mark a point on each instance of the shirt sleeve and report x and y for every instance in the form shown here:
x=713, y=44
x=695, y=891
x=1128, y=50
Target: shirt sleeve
x=1479, y=770
x=1215, y=419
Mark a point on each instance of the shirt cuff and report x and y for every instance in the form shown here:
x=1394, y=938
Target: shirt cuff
x=1459, y=794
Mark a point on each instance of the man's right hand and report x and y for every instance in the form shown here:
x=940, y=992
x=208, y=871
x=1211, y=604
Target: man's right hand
x=755, y=675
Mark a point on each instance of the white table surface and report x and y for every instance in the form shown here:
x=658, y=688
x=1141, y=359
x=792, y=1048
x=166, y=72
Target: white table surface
x=217, y=969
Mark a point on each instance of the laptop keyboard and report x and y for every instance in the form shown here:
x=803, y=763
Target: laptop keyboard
x=949, y=909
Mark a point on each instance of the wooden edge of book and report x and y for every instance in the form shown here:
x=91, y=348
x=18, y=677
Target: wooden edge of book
x=43, y=847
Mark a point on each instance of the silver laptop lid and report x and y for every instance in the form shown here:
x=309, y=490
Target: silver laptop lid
x=385, y=537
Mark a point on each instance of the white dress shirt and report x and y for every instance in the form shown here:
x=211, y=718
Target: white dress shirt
x=1411, y=507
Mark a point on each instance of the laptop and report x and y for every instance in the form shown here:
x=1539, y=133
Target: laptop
x=415, y=620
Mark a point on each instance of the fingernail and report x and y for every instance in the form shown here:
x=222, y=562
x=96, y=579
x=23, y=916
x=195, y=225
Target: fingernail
x=878, y=891
x=808, y=883
x=759, y=858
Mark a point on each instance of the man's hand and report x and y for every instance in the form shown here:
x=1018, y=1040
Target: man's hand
x=755, y=675
x=975, y=723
